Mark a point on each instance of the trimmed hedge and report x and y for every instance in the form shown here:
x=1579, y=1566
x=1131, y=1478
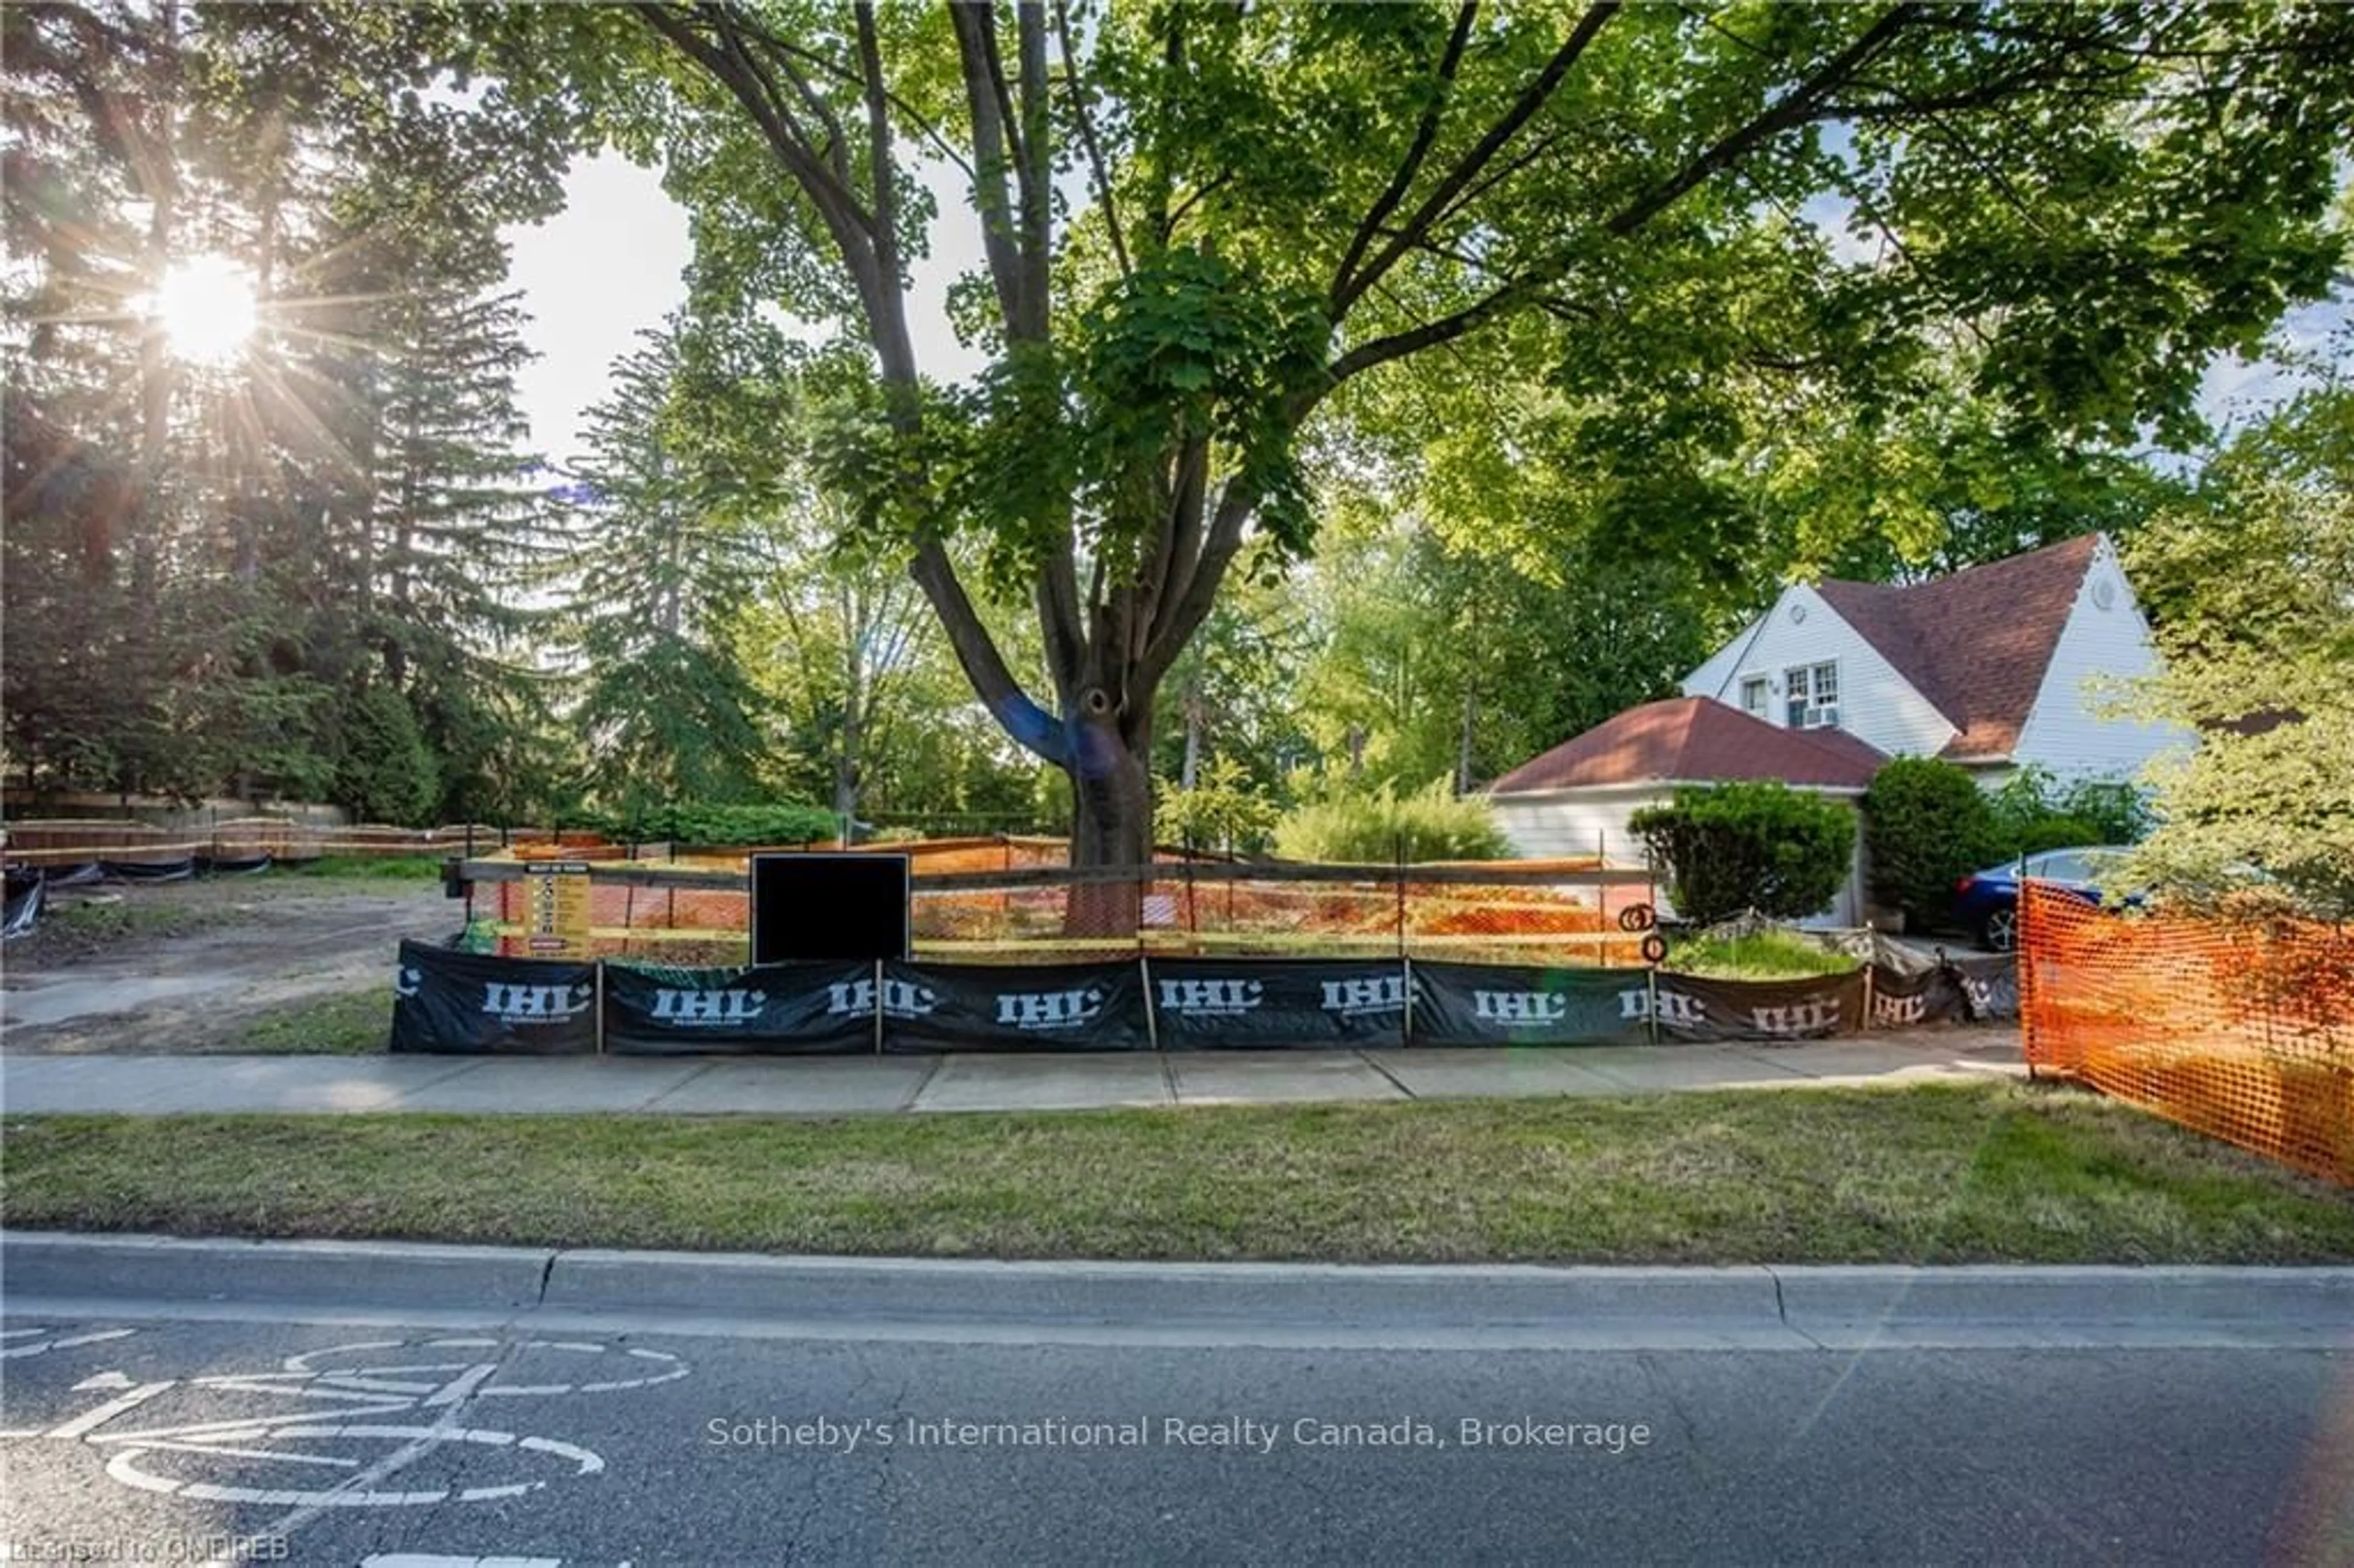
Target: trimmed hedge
x=1759, y=845
x=1928, y=825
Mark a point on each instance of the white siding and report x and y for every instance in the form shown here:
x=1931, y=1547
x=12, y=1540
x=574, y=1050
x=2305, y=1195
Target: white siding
x=1877, y=705
x=2063, y=732
x=1574, y=823
x=1714, y=678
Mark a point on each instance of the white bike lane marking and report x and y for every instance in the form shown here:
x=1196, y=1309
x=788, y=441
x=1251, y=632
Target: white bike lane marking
x=66, y=1342
x=359, y=1383
x=60, y=1340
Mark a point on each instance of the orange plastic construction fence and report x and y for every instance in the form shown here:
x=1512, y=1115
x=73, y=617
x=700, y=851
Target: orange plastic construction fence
x=1168, y=912
x=2241, y=1029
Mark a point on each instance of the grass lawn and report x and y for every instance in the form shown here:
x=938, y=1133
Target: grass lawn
x=339, y=1024
x=1944, y=1173
x=366, y=868
x=1768, y=955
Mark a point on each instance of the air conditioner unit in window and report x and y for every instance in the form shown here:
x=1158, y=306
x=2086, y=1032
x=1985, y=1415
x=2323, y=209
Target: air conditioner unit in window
x=1826, y=718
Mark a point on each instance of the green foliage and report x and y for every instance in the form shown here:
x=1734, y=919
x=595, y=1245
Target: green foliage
x=1762, y=955
x=719, y=825
x=662, y=556
x=2248, y=589
x=1222, y=811
x=2033, y=812
x=1381, y=826
x=1928, y=825
x=383, y=771
x=1756, y=845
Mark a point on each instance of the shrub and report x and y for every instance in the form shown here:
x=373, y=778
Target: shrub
x=1383, y=827
x=1221, y=810
x=2054, y=831
x=1927, y=825
x=787, y=824
x=1758, y=845
x=2034, y=812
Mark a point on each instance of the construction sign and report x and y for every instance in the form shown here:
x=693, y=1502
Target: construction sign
x=555, y=908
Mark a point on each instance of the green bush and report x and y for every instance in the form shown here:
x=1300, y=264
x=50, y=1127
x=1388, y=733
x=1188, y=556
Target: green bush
x=789, y=823
x=2056, y=830
x=1383, y=827
x=1220, y=811
x=1759, y=845
x=384, y=772
x=1927, y=825
x=2033, y=813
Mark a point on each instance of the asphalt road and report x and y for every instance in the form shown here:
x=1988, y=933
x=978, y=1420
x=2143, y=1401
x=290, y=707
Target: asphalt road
x=140, y=1438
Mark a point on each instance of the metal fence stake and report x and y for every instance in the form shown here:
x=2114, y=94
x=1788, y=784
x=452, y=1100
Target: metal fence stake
x=1151, y=1013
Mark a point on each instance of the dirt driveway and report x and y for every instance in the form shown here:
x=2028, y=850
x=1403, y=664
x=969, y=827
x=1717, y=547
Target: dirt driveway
x=187, y=966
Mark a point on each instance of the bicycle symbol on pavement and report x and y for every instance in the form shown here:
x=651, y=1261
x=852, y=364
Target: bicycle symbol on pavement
x=330, y=1428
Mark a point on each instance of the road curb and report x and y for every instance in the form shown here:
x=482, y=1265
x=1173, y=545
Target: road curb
x=1829, y=1300
x=1828, y=1306
x=1305, y=1295
x=221, y=1270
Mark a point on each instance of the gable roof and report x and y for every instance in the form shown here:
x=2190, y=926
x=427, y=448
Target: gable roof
x=1695, y=740
x=1976, y=643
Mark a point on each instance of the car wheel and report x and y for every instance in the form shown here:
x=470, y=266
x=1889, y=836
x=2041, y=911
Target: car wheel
x=1999, y=930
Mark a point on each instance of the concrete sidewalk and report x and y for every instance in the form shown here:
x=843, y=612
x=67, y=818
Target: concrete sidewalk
x=858, y=1086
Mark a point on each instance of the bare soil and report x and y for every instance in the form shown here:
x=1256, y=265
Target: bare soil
x=188, y=965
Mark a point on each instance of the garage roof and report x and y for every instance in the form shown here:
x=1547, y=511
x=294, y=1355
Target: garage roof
x=1690, y=740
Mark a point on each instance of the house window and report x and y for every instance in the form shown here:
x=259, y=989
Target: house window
x=1752, y=695
x=1811, y=695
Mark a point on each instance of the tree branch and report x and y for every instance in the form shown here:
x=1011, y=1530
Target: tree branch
x=975, y=25
x=1084, y=122
x=1181, y=618
x=1033, y=726
x=1467, y=169
x=1424, y=132
x=1803, y=103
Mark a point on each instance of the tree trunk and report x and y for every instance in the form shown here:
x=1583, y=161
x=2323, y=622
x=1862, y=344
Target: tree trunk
x=1111, y=825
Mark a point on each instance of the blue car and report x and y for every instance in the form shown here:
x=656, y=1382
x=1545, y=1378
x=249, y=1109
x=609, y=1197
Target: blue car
x=1987, y=901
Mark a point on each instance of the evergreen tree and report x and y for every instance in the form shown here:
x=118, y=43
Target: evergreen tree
x=666, y=708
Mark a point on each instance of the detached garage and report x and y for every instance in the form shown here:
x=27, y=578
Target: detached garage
x=1574, y=799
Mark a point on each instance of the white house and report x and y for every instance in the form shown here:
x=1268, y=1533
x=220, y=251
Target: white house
x=1994, y=668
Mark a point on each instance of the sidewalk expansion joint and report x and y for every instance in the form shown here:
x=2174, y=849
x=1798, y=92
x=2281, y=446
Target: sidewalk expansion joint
x=1385, y=1073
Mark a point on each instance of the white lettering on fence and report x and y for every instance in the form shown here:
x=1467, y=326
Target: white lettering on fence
x=901, y=999
x=1375, y=993
x=1211, y=996
x=707, y=1008
x=1051, y=1009
x=1519, y=1006
x=534, y=1003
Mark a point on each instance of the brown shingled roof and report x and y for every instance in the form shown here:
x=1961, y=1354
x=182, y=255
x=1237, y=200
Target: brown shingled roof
x=1977, y=643
x=1696, y=739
